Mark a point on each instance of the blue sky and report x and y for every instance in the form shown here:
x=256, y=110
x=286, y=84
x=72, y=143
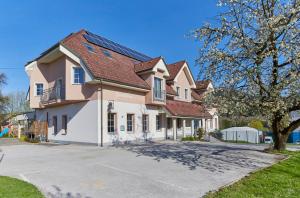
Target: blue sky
x=155, y=28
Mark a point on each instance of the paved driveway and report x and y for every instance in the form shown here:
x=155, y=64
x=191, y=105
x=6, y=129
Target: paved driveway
x=146, y=170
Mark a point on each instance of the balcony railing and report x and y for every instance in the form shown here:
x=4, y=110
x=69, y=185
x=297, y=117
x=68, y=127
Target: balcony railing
x=159, y=95
x=53, y=94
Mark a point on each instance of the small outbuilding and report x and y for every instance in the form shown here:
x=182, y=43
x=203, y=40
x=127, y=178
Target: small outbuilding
x=241, y=134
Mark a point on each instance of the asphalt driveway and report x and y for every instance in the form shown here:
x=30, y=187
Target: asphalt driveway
x=143, y=170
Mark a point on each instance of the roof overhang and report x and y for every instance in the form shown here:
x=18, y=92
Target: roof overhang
x=54, y=53
x=115, y=84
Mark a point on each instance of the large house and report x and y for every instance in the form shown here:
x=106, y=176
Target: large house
x=92, y=90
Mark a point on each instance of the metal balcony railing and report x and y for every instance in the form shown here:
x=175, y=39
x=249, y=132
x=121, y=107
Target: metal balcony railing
x=53, y=94
x=159, y=95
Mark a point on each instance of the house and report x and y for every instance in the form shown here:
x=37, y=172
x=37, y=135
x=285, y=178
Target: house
x=21, y=122
x=92, y=90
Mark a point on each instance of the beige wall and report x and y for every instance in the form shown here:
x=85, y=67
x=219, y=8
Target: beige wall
x=183, y=83
x=46, y=74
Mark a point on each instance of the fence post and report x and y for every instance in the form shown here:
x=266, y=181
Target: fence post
x=235, y=136
x=247, y=136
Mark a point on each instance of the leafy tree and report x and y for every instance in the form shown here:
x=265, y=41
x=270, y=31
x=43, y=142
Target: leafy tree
x=252, y=53
x=257, y=124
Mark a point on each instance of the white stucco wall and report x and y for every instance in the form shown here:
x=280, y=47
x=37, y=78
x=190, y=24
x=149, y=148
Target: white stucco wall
x=82, y=122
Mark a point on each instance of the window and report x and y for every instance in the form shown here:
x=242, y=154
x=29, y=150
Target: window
x=188, y=123
x=89, y=47
x=158, y=88
x=111, y=122
x=169, y=123
x=211, y=123
x=178, y=91
x=78, y=75
x=54, y=124
x=130, y=122
x=145, y=123
x=64, y=123
x=216, y=123
x=179, y=123
x=186, y=93
x=39, y=87
x=158, y=122
x=106, y=53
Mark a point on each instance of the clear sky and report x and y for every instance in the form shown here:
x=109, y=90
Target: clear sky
x=154, y=28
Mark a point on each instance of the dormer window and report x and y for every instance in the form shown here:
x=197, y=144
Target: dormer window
x=178, y=91
x=89, y=47
x=158, y=93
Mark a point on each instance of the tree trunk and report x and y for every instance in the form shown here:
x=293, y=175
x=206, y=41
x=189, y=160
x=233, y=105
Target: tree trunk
x=280, y=140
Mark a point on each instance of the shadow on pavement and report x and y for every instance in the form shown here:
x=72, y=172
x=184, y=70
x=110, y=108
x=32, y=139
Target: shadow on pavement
x=215, y=158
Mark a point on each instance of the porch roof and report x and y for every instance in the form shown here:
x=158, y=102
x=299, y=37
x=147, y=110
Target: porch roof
x=186, y=109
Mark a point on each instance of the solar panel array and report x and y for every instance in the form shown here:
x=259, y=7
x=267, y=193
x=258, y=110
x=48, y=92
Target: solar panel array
x=103, y=42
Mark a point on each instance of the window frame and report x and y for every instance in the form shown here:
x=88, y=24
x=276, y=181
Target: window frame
x=186, y=91
x=158, y=93
x=114, y=127
x=132, y=122
x=36, y=88
x=73, y=76
x=158, y=122
x=178, y=91
x=145, y=128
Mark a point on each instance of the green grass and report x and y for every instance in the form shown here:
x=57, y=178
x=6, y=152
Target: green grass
x=14, y=188
x=279, y=180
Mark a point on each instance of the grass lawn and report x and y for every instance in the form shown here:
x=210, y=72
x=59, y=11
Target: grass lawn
x=14, y=188
x=279, y=180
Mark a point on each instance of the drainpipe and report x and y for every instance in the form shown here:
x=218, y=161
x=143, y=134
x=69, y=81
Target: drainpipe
x=100, y=108
x=101, y=112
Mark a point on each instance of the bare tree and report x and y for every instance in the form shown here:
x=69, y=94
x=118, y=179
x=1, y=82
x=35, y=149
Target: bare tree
x=17, y=103
x=3, y=99
x=252, y=53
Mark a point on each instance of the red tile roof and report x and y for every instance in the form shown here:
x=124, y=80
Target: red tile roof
x=202, y=84
x=145, y=66
x=117, y=68
x=170, y=90
x=186, y=109
x=196, y=95
x=174, y=69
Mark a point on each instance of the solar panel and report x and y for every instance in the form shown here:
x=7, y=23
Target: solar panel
x=103, y=42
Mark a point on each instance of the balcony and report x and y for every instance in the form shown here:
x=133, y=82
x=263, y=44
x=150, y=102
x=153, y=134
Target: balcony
x=159, y=95
x=52, y=95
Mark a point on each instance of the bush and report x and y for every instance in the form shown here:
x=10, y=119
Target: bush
x=201, y=133
x=188, y=138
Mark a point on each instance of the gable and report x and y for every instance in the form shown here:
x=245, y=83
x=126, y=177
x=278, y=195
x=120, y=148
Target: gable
x=161, y=67
x=185, y=75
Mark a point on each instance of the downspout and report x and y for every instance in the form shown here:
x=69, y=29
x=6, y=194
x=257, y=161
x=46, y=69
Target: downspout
x=101, y=101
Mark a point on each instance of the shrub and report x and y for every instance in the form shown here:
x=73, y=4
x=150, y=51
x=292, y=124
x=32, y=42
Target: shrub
x=188, y=138
x=201, y=133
